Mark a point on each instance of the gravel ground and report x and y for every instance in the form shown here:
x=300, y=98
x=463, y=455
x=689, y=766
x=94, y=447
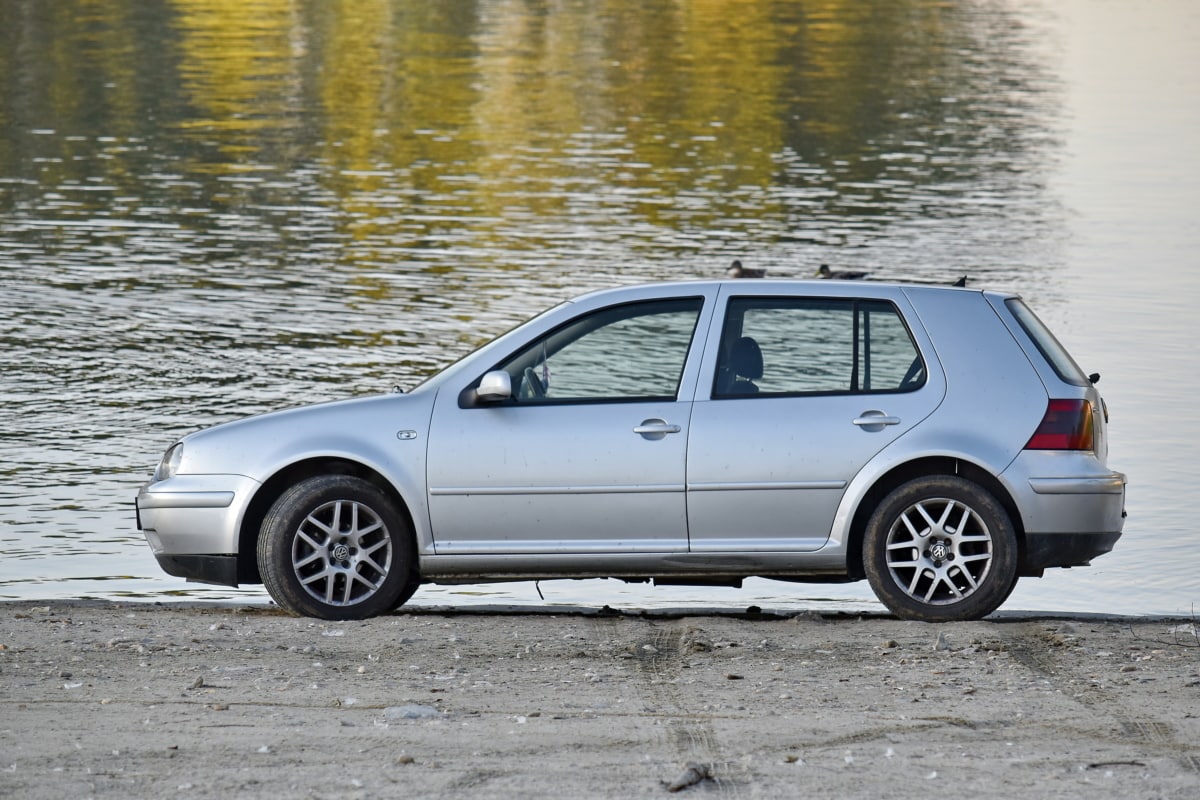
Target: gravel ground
x=157, y=701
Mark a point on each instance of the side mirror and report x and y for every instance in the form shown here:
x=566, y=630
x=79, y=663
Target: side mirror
x=494, y=387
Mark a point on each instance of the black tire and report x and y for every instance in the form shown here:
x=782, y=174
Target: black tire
x=940, y=549
x=336, y=547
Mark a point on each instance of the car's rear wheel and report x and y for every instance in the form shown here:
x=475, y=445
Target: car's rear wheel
x=336, y=547
x=940, y=548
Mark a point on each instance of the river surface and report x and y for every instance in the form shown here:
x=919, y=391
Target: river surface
x=211, y=208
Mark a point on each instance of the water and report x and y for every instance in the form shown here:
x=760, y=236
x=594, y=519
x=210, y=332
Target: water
x=209, y=210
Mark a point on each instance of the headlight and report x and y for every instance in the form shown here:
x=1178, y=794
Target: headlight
x=170, y=462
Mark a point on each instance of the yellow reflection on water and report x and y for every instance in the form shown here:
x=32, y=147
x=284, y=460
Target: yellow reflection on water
x=239, y=67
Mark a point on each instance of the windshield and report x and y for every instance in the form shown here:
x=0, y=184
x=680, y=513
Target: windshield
x=486, y=343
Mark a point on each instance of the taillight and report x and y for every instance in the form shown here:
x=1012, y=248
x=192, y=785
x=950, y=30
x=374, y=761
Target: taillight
x=1067, y=425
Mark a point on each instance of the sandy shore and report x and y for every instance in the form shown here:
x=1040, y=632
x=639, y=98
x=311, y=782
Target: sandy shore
x=152, y=701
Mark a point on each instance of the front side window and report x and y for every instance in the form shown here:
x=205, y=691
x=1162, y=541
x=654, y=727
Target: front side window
x=624, y=353
x=799, y=346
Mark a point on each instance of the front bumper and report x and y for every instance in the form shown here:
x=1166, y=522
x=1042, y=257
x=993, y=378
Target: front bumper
x=221, y=570
x=192, y=524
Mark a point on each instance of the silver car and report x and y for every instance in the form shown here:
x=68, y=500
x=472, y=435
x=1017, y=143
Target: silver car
x=936, y=441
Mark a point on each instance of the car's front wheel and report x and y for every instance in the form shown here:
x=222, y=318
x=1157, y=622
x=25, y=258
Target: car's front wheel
x=939, y=549
x=336, y=547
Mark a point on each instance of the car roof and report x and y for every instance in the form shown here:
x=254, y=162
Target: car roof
x=824, y=287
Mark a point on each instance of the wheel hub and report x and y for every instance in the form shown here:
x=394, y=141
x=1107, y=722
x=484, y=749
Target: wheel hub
x=341, y=553
x=939, y=552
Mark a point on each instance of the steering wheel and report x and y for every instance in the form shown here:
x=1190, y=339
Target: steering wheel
x=916, y=370
x=531, y=385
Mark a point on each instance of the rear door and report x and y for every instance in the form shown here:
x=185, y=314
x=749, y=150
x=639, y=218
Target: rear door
x=804, y=391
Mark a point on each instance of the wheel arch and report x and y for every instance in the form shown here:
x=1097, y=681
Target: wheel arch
x=921, y=468
x=277, y=484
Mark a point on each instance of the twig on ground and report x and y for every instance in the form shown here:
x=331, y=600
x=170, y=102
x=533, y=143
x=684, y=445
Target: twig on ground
x=1185, y=635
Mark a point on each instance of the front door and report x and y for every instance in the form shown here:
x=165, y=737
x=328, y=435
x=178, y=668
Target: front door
x=588, y=456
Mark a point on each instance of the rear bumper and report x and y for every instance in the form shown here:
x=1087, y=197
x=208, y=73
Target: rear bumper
x=1046, y=550
x=1072, y=508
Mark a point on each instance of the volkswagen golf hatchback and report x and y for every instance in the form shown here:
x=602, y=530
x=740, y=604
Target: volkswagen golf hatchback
x=938, y=442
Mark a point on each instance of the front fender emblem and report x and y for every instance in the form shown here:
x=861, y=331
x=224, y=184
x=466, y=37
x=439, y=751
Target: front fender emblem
x=406, y=436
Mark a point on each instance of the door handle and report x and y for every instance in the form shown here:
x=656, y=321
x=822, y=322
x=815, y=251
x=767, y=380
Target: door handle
x=655, y=428
x=875, y=421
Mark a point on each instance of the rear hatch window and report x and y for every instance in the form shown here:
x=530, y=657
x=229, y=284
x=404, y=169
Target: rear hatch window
x=1051, y=349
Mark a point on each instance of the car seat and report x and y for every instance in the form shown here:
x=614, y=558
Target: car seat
x=746, y=364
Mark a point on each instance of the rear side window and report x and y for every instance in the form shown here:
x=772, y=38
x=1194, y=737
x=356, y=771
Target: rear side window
x=805, y=346
x=1055, y=354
